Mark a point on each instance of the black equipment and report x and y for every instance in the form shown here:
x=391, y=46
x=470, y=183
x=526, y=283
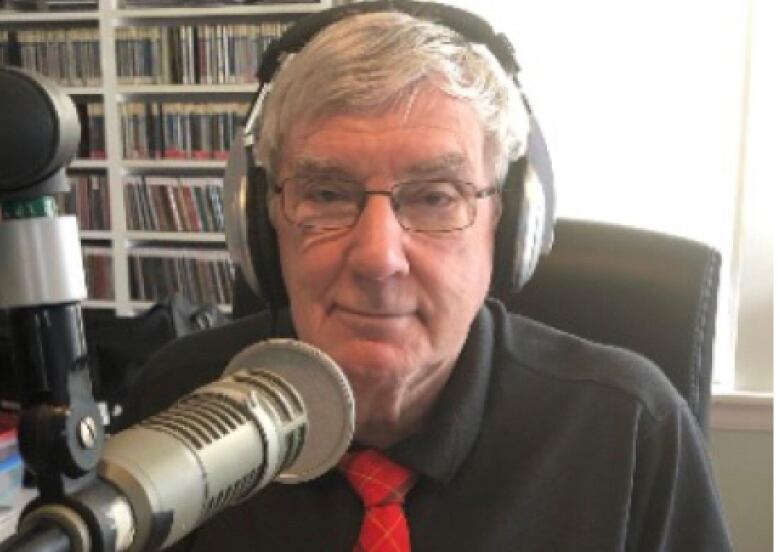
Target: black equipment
x=42, y=284
x=525, y=230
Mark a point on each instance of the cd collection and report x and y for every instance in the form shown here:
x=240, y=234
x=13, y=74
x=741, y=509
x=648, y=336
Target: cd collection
x=157, y=130
x=70, y=57
x=99, y=272
x=203, y=276
x=192, y=54
x=88, y=200
x=171, y=204
x=93, y=134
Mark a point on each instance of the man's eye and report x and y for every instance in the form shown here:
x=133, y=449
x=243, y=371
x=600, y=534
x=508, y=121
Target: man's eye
x=325, y=193
x=437, y=196
x=437, y=199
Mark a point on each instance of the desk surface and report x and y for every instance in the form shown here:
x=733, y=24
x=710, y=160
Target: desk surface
x=10, y=516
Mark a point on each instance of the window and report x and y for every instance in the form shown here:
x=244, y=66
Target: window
x=644, y=108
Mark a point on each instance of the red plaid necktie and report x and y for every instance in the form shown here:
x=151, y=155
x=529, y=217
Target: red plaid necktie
x=382, y=485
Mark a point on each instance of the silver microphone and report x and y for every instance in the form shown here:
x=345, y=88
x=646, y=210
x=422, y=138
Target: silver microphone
x=284, y=412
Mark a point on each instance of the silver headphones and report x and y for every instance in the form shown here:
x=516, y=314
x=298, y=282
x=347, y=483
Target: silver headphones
x=524, y=232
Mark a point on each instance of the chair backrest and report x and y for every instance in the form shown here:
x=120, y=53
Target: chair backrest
x=652, y=293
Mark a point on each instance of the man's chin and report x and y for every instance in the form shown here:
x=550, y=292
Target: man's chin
x=390, y=328
x=365, y=359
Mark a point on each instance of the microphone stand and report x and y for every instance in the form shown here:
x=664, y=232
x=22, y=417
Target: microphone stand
x=60, y=429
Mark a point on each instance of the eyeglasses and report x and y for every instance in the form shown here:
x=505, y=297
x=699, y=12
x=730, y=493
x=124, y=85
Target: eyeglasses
x=436, y=206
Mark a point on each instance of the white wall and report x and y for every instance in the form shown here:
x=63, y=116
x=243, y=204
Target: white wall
x=743, y=460
x=754, y=252
x=743, y=463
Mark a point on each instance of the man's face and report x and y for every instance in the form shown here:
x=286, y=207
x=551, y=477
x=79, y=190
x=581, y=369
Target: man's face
x=391, y=307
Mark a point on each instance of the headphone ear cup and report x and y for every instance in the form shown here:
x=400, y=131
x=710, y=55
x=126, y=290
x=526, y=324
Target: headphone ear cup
x=509, y=236
x=261, y=239
x=520, y=235
x=526, y=228
x=533, y=228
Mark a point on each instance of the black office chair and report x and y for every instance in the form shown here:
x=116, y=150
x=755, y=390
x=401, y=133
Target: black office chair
x=651, y=293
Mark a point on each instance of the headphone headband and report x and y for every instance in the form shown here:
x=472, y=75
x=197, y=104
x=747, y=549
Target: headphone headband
x=472, y=27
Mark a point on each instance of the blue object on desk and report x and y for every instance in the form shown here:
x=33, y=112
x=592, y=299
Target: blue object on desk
x=11, y=470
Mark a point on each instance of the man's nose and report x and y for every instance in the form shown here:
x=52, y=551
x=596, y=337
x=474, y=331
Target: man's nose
x=377, y=250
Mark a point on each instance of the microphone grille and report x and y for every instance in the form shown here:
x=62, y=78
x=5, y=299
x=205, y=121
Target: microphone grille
x=326, y=395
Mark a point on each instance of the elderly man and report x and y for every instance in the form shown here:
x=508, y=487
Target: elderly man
x=386, y=141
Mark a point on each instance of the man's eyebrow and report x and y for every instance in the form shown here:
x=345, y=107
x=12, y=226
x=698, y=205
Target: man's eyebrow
x=449, y=165
x=308, y=167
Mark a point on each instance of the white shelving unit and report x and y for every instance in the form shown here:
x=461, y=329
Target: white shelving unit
x=143, y=305
x=96, y=235
x=186, y=89
x=212, y=12
x=7, y=16
x=204, y=237
x=83, y=90
x=98, y=164
x=179, y=164
x=107, y=18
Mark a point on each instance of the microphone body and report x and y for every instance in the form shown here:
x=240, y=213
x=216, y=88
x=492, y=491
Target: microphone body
x=211, y=450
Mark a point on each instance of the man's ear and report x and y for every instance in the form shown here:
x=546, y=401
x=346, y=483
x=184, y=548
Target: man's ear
x=272, y=204
x=498, y=208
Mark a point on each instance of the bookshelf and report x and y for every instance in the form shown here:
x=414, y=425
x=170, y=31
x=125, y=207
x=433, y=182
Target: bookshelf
x=88, y=164
x=127, y=249
x=186, y=89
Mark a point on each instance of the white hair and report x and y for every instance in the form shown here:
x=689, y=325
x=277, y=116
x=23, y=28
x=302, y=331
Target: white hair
x=377, y=61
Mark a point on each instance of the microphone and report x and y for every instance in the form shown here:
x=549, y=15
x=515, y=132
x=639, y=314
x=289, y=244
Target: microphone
x=283, y=412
